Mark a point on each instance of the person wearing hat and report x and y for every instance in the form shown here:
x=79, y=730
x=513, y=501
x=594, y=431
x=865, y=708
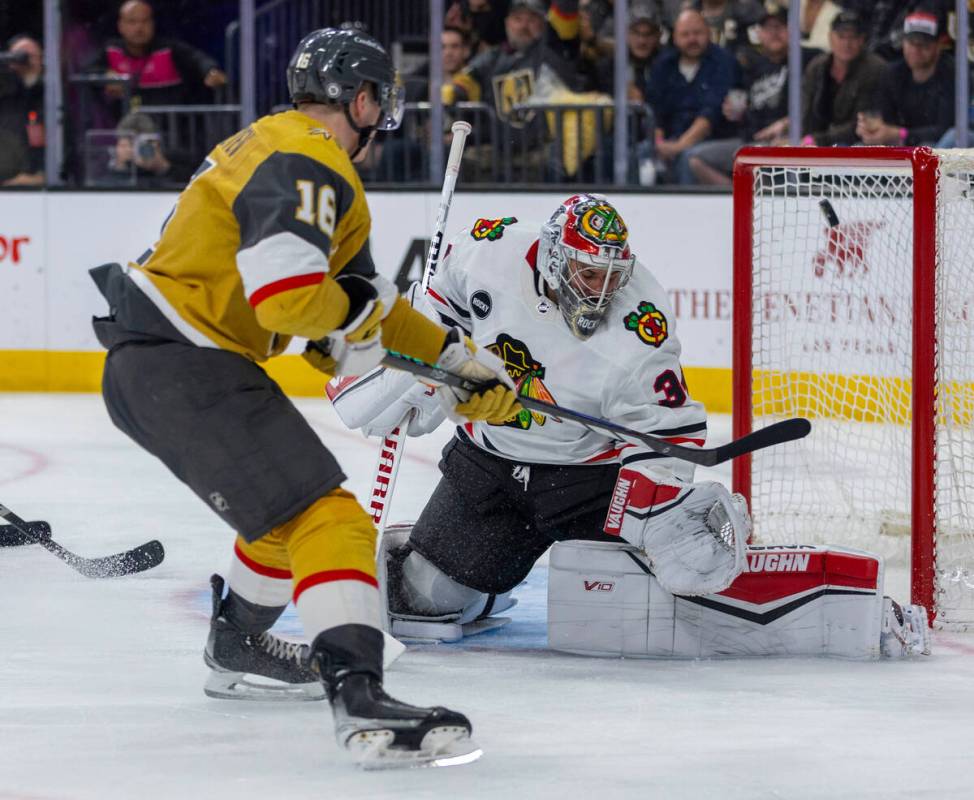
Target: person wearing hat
x=837, y=85
x=761, y=104
x=915, y=103
x=505, y=75
x=643, y=40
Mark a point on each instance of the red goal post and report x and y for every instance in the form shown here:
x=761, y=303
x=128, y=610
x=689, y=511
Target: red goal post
x=851, y=308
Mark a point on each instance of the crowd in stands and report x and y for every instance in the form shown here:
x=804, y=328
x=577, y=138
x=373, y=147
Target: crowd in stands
x=707, y=77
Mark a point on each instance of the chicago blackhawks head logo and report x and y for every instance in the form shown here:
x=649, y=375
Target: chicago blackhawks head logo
x=490, y=229
x=648, y=322
x=527, y=375
x=598, y=222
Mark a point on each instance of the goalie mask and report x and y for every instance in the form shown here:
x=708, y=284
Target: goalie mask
x=584, y=257
x=331, y=65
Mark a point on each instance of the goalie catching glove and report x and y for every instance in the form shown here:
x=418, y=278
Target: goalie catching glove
x=694, y=533
x=495, y=402
x=355, y=347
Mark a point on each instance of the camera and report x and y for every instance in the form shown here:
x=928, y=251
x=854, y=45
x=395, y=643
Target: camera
x=21, y=57
x=146, y=146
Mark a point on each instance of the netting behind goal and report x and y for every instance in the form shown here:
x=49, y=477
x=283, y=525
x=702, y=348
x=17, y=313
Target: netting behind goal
x=876, y=347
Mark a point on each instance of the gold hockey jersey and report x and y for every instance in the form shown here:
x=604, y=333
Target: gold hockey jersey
x=248, y=256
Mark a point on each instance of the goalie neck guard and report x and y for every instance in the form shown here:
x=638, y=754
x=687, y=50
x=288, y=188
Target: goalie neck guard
x=584, y=257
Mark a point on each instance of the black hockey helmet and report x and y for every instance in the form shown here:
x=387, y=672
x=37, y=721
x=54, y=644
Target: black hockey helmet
x=330, y=65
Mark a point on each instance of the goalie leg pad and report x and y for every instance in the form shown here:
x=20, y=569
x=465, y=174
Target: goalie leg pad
x=793, y=601
x=428, y=605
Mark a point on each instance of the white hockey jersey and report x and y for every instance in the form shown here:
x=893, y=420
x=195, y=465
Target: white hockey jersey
x=627, y=372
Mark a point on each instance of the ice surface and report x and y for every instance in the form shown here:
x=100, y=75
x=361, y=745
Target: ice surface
x=101, y=681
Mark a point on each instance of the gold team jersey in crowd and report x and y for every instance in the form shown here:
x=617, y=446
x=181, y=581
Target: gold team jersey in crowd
x=248, y=256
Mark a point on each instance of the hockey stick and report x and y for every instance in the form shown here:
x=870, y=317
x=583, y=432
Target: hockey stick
x=778, y=433
x=390, y=452
x=12, y=536
x=383, y=485
x=460, y=132
x=138, y=559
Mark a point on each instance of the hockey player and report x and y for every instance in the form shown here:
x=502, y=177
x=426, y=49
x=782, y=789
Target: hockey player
x=578, y=322
x=269, y=241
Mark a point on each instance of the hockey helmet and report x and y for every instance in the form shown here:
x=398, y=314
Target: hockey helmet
x=330, y=65
x=584, y=256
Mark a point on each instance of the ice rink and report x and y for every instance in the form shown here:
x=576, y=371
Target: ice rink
x=101, y=680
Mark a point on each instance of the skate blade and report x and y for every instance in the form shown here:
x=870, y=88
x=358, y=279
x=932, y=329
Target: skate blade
x=236, y=686
x=447, y=746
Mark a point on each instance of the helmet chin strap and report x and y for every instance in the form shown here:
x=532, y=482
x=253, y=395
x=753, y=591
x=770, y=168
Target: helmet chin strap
x=365, y=132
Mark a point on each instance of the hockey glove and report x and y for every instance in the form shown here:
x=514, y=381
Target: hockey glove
x=495, y=402
x=355, y=347
x=695, y=534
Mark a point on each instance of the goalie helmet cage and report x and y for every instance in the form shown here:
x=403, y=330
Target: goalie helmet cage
x=854, y=306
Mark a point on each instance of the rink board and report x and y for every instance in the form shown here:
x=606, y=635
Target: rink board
x=48, y=241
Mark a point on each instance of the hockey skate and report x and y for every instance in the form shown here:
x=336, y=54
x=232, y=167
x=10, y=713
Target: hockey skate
x=408, y=624
x=906, y=631
x=232, y=655
x=383, y=733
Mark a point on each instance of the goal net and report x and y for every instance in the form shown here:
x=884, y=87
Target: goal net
x=854, y=307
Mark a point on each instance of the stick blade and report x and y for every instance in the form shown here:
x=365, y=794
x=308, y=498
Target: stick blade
x=788, y=430
x=138, y=559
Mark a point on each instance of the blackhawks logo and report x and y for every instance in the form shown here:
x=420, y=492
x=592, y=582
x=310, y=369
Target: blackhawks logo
x=648, y=323
x=600, y=223
x=527, y=375
x=490, y=229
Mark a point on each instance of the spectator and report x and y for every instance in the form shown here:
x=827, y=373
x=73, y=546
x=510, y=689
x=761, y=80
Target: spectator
x=884, y=32
x=837, y=85
x=686, y=89
x=729, y=20
x=483, y=20
x=765, y=116
x=506, y=75
x=915, y=104
x=455, y=49
x=138, y=159
x=816, y=23
x=643, y=39
x=160, y=71
x=22, y=113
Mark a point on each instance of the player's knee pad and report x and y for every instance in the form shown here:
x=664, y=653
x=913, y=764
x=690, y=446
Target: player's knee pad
x=603, y=600
x=331, y=549
x=333, y=533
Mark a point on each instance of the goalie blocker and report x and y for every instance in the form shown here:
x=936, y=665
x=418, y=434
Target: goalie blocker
x=603, y=600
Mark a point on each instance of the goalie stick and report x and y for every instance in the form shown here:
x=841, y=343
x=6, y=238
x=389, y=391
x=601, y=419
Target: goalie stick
x=138, y=559
x=778, y=433
x=390, y=451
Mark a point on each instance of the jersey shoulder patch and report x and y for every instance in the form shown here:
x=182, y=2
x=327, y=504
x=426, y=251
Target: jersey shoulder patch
x=490, y=229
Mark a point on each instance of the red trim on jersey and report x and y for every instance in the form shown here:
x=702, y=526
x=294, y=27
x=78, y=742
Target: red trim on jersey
x=436, y=297
x=260, y=569
x=333, y=575
x=283, y=285
x=336, y=386
x=824, y=569
x=468, y=427
x=685, y=440
x=532, y=255
x=606, y=455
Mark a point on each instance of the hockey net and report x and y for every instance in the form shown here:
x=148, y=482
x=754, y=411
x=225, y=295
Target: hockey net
x=854, y=307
